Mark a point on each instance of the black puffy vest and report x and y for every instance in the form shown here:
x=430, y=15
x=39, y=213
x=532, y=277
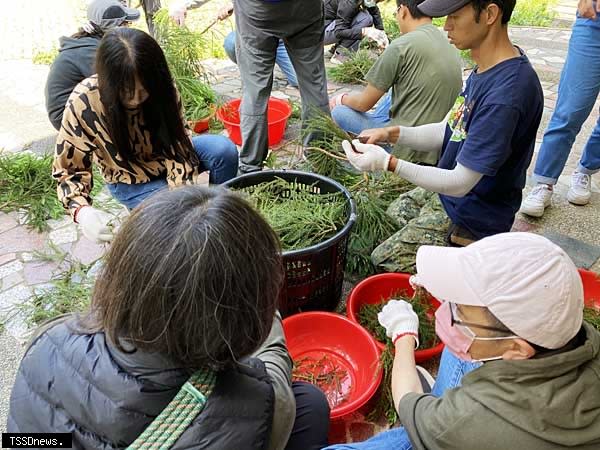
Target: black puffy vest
x=81, y=384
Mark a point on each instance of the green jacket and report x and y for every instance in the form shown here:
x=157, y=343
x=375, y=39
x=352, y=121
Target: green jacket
x=544, y=403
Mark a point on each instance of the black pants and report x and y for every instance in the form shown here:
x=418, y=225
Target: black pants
x=312, y=418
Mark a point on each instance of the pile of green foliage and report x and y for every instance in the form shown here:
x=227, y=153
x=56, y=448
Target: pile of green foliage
x=300, y=217
x=183, y=49
x=372, y=192
x=592, y=316
x=354, y=69
x=26, y=184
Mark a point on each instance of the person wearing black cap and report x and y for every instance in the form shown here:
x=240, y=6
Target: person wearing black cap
x=486, y=143
x=75, y=60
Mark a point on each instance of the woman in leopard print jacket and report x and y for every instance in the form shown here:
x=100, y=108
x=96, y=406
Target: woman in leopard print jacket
x=128, y=120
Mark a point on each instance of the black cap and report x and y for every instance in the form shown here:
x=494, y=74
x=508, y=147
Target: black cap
x=441, y=8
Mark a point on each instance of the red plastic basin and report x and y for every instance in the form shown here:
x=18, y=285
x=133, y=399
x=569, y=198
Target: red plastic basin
x=347, y=345
x=373, y=289
x=278, y=113
x=591, y=287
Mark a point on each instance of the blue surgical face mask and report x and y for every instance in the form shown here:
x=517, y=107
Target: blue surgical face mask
x=369, y=3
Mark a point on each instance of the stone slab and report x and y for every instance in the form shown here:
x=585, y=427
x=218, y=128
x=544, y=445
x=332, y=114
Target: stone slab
x=583, y=255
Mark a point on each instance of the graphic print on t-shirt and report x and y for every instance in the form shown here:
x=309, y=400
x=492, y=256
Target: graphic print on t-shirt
x=458, y=118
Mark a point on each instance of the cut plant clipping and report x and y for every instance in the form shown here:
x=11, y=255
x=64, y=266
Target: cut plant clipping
x=27, y=187
x=372, y=193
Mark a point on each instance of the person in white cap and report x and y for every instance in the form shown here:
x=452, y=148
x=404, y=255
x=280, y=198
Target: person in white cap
x=514, y=302
x=485, y=144
x=75, y=60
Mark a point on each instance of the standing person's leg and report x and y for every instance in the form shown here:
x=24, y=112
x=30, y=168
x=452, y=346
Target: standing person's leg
x=256, y=47
x=305, y=47
x=218, y=155
x=312, y=418
x=229, y=46
x=578, y=88
x=283, y=61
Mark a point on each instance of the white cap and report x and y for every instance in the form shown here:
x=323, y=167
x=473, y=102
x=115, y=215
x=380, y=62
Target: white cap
x=530, y=284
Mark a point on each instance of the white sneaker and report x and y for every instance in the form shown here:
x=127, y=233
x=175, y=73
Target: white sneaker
x=537, y=201
x=581, y=188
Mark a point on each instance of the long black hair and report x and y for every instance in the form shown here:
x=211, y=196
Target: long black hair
x=123, y=54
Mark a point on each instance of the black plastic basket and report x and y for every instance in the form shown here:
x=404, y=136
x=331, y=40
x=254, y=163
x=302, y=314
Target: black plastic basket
x=313, y=275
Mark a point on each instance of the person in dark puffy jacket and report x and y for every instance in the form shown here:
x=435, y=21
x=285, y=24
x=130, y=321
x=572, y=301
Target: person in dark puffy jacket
x=347, y=22
x=189, y=285
x=75, y=60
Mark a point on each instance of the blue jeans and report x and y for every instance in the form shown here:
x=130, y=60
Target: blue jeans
x=216, y=153
x=282, y=58
x=577, y=92
x=452, y=369
x=355, y=121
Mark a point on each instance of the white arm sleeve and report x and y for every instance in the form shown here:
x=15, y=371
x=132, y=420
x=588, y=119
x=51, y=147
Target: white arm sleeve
x=424, y=138
x=457, y=182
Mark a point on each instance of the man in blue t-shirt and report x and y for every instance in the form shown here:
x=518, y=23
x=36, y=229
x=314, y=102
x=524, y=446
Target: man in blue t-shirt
x=486, y=143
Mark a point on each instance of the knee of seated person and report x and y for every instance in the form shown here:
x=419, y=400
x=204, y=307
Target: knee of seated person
x=339, y=115
x=310, y=397
x=227, y=151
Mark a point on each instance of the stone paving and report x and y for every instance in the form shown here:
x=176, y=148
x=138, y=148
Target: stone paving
x=23, y=125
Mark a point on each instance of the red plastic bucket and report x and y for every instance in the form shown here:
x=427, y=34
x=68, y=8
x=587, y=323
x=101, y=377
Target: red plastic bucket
x=278, y=113
x=373, y=289
x=347, y=345
x=591, y=287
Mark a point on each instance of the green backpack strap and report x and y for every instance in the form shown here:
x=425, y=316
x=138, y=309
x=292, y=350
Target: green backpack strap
x=170, y=424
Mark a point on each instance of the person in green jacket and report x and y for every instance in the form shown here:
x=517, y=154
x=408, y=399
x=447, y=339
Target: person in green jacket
x=514, y=302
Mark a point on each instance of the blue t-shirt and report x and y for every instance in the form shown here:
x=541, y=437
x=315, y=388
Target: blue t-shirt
x=492, y=130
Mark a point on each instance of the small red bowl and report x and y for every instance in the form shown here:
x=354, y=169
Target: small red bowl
x=373, y=289
x=346, y=345
x=591, y=287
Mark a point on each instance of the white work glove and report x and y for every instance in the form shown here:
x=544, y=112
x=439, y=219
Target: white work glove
x=398, y=319
x=95, y=224
x=336, y=101
x=367, y=157
x=376, y=36
x=178, y=12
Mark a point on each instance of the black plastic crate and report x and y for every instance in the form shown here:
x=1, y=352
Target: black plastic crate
x=313, y=275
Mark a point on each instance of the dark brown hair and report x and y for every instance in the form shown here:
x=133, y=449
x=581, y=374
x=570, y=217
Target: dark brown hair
x=193, y=274
x=122, y=54
x=97, y=33
x=412, y=6
x=506, y=6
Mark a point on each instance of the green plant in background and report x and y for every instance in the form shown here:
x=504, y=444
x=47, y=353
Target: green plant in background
x=354, y=69
x=184, y=49
x=390, y=25
x=45, y=57
x=26, y=184
x=538, y=13
x=296, y=112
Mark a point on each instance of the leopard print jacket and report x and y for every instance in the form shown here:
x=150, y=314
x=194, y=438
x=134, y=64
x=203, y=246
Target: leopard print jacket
x=83, y=139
